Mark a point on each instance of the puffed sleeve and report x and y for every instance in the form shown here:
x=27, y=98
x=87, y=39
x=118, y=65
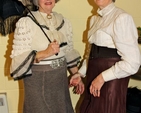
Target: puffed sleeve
x=22, y=37
x=72, y=55
x=125, y=38
x=22, y=55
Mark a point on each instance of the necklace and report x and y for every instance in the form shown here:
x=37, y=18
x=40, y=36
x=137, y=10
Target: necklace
x=49, y=16
x=51, y=22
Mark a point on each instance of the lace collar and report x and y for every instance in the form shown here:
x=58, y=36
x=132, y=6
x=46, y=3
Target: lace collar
x=55, y=23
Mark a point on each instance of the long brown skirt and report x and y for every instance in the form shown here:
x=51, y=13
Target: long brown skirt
x=113, y=93
x=46, y=91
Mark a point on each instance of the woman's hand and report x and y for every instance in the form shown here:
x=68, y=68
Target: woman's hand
x=96, y=85
x=75, y=79
x=53, y=48
x=79, y=89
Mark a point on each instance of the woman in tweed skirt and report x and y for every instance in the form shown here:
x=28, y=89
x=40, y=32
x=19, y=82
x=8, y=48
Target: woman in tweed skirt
x=43, y=62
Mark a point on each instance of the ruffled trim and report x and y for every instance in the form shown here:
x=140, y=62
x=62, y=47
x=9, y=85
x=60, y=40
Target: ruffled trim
x=20, y=68
x=73, y=58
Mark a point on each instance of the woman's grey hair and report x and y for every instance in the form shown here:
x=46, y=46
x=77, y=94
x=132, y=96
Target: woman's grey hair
x=35, y=2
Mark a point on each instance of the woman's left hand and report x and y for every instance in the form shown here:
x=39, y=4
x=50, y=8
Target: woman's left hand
x=79, y=89
x=96, y=85
x=75, y=79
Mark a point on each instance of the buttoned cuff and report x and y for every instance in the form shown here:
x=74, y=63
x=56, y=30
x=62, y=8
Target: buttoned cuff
x=83, y=69
x=108, y=75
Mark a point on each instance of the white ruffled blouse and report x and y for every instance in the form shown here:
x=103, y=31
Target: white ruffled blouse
x=28, y=36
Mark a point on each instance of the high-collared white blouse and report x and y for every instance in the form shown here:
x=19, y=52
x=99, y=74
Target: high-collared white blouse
x=114, y=28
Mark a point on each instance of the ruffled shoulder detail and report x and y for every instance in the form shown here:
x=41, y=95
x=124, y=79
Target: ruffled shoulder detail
x=69, y=31
x=22, y=36
x=23, y=26
x=72, y=55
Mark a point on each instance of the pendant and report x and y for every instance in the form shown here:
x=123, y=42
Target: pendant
x=49, y=16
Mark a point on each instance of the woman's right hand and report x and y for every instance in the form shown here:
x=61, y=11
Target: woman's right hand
x=53, y=48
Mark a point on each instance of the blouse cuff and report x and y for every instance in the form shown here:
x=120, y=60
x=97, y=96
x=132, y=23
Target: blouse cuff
x=108, y=75
x=83, y=69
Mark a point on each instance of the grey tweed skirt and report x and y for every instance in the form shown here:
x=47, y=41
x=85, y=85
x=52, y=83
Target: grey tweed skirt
x=46, y=91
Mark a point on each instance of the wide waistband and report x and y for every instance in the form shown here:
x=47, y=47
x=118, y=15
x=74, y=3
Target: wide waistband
x=54, y=63
x=103, y=52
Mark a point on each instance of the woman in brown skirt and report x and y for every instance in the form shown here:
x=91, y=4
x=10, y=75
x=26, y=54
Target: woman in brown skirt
x=114, y=56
